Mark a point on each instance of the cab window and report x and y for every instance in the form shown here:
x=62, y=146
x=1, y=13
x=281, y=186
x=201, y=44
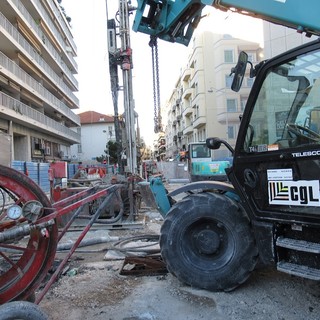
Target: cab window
x=287, y=110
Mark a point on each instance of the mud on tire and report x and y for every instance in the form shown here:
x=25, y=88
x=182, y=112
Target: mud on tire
x=206, y=242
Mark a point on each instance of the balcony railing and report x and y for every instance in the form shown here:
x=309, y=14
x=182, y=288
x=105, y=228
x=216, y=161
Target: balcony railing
x=37, y=88
x=38, y=59
x=47, y=19
x=38, y=119
x=63, y=25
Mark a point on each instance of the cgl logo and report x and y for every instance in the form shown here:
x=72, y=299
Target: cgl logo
x=298, y=193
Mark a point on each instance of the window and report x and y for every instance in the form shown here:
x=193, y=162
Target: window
x=249, y=82
x=228, y=80
x=110, y=131
x=251, y=56
x=286, y=113
x=243, y=102
x=200, y=151
x=231, y=132
x=231, y=105
x=196, y=112
x=228, y=56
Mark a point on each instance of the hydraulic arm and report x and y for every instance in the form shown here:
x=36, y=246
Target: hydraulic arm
x=175, y=20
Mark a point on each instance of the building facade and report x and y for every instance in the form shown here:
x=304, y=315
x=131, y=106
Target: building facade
x=202, y=103
x=96, y=130
x=37, y=82
x=278, y=39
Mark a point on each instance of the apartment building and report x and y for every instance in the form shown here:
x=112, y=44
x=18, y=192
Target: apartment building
x=202, y=103
x=37, y=82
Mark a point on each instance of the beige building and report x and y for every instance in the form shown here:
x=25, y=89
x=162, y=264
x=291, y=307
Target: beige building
x=37, y=81
x=202, y=103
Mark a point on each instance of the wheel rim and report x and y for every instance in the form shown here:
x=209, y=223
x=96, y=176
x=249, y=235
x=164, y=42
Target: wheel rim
x=207, y=240
x=23, y=261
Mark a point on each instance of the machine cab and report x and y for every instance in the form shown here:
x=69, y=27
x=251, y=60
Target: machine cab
x=199, y=152
x=277, y=156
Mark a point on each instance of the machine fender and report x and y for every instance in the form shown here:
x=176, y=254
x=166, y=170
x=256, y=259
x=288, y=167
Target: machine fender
x=204, y=185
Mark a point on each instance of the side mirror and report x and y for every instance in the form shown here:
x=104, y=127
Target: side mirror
x=239, y=71
x=213, y=143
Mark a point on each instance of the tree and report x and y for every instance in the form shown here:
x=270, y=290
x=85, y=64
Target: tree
x=111, y=150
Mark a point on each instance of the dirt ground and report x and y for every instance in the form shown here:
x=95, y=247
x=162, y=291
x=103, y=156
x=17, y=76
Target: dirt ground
x=92, y=288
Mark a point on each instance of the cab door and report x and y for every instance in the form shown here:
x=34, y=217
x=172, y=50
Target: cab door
x=277, y=157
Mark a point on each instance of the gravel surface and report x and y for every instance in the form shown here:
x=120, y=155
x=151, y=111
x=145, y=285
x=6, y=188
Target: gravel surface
x=92, y=288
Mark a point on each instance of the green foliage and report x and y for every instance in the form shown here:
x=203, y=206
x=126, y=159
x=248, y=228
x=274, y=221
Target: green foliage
x=111, y=150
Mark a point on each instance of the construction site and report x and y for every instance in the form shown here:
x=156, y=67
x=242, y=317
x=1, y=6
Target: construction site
x=120, y=245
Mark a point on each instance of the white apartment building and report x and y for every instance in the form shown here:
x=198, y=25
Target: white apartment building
x=96, y=131
x=37, y=81
x=202, y=103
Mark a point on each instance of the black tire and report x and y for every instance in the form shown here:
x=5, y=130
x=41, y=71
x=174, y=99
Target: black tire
x=21, y=310
x=206, y=242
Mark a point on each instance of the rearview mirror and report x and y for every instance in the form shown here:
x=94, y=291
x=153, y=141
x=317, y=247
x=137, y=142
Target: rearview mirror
x=239, y=71
x=213, y=143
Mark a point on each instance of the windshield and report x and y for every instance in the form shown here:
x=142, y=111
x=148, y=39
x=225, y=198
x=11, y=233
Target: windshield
x=287, y=111
x=200, y=151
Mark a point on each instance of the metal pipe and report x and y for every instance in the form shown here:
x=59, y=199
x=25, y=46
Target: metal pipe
x=74, y=247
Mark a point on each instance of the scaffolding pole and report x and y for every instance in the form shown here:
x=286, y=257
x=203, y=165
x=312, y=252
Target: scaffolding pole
x=126, y=67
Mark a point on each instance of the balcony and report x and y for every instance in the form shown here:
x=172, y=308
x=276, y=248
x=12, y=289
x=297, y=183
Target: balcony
x=187, y=111
x=49, y=24
x=14, y=109
x=31, y=86
x=188, y=130
x=225, y=117
x=180, y=134
x=34, y=54
x=199, y=122
x=187, y=93
x=186, y=74
x=63, y=24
